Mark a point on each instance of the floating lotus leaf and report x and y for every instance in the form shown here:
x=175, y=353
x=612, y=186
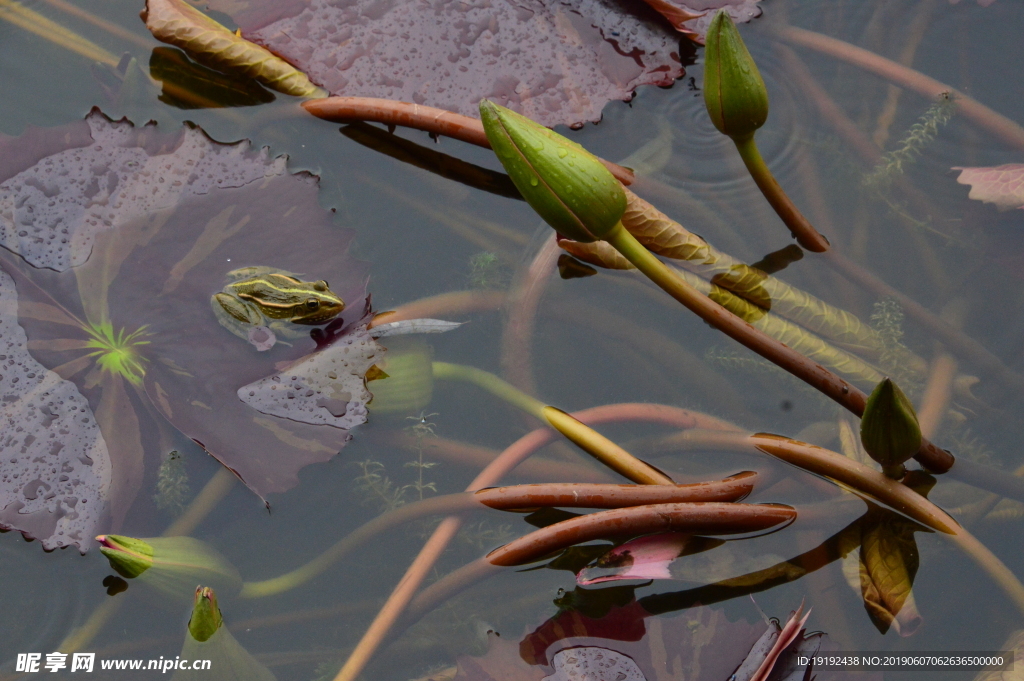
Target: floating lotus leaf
x=593, y=663
x=51, y=212
x=557, y=62
x=1002, y=185
x=328, y=387
x=55, y=467
x=132, y=231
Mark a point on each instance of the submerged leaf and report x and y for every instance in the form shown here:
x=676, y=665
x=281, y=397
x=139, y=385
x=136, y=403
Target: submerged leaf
x=179, y=74
x=1002, y=185
x=556, y=61
x=884, y=568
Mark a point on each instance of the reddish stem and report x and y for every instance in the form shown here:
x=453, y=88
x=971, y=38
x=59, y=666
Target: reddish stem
x=426, y=118
x=575, y=495
x=996, y=123
x=699, y=518
x=456, y=302
x=523, y=300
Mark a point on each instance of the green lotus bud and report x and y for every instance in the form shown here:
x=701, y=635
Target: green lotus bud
x=128, y=556
x=889, y=429
x=734, y=93
x=209, y=642
x=206, y=618
x=567, y=185
x=173, y=565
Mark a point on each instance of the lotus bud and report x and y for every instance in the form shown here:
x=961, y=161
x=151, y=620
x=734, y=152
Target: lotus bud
x=207, y=639
x=567, y=185
x=173, y=565
x=889, y=429
x=130, y=557
x=734, y=92
x=206, y=618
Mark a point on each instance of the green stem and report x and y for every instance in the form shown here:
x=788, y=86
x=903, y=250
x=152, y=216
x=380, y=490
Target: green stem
x=803, y=231
x=585, y=437
x=808, y=371
x=604, y=450
x=517, y=398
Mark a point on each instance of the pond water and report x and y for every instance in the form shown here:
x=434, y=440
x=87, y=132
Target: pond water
x=604, y=339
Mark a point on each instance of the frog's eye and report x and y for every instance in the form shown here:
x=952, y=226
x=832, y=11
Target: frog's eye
x=312, y=303
x=320, y=285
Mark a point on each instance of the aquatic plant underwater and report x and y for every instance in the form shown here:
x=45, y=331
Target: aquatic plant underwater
x=162, y=291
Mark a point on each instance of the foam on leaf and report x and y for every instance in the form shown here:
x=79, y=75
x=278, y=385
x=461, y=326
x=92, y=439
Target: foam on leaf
x=327, y=387
x=54, y=466
x=556, y=61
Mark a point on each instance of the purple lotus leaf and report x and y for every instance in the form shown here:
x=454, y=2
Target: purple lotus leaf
x=556, y=61
x=115, y=248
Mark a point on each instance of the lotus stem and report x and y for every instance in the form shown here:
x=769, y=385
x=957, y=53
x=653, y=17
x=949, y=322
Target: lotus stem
x=426, y=118
x=523, y=301
x=699, y=518
x=566, y=495
x=456, y=302
x=799, y=226
x=604, y=450
x=213, y=491
x=937, y=394
x=33, y=22
x=995, y=123
x=399, y=599
x=589, y=440
x=492, y=384
x=813, y=374
x=108, y=26
x=428, y=556
x=477, y=457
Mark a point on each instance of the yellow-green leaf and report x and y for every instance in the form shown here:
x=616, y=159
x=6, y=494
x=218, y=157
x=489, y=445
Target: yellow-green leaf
x=883, y=571
x=177, y=23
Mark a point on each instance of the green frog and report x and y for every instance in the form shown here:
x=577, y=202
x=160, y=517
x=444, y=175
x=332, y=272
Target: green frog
x=258, y=294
